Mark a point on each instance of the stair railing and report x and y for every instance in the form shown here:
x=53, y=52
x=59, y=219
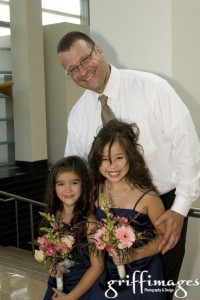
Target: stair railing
x=15, y=198
x=194, y=212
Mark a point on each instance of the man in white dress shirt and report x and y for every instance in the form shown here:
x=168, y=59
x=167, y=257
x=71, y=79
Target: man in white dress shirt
x=167, y=134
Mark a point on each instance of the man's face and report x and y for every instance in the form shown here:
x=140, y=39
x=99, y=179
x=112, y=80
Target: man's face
x=93, y=74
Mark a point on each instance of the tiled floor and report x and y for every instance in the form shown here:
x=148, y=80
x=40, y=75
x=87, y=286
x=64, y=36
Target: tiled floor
x=21, y=276
x=15, y=286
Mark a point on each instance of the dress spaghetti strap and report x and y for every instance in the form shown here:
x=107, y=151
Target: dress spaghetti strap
x=141, y=198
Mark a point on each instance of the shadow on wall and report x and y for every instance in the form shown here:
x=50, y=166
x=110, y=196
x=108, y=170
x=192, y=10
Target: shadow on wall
x=190, y=267
x=109, y=52
x=192, y=105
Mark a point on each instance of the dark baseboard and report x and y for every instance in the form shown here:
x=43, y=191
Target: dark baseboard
x=32, y=166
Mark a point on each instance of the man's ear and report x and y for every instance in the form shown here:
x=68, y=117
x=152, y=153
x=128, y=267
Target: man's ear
x=99, y=50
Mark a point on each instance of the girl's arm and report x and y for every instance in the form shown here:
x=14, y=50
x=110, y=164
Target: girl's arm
x=90, y=276
x=154, y=207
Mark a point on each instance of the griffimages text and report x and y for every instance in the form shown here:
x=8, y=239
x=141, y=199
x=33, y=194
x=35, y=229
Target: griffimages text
x=141, y=282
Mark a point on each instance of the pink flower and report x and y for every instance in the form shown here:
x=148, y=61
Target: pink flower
x=50, y=250
x=98, y=238
x=68, y=240
x=100, y=233
x=110, y=249
x=43, y=241
x=126, y=236
x=65, y=244
x=62, y=248
x=123, y=221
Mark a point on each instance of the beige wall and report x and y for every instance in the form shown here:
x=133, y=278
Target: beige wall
x=161, y=37
x=186, y=54
x=28, y=77
x=135, y=34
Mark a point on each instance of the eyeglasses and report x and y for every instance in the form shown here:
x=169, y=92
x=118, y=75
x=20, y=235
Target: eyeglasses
x=83, y=62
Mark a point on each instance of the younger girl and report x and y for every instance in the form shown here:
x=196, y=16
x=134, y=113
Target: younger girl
x=118, y=171
x=67, y=198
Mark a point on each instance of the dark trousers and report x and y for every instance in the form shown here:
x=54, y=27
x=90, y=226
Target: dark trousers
x=172, y=260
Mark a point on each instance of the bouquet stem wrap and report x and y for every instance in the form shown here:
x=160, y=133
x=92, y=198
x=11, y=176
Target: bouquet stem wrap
x=63, y=267
x=121, y=271
x=59, y=283
x=59, y=276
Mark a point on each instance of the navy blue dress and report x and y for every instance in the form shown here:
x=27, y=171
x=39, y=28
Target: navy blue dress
x=135, y=285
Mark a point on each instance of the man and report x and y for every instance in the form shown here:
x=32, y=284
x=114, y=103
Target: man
x=167, y=133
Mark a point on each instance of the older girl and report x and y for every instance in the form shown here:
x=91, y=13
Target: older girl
x=118, y=170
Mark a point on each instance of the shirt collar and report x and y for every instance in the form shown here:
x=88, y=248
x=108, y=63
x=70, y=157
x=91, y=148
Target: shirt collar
x=112, y=87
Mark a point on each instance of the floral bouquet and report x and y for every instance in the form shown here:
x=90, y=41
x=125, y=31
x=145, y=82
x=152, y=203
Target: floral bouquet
x=115, y=235
x=55, y=248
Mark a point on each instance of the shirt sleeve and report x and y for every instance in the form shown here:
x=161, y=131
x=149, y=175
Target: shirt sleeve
x=177, y=125
x=72, y=146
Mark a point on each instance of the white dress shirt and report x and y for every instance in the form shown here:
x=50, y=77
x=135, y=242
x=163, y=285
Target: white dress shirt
x=167, y=134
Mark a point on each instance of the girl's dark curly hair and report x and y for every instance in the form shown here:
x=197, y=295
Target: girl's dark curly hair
x=127, y=136
x=54, y=204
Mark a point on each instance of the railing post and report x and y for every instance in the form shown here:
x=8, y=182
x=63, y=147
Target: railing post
x=17, y=222
x=17, y=198
x=32, y=229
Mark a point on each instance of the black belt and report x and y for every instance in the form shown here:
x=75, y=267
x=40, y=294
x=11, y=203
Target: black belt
x=168, y=198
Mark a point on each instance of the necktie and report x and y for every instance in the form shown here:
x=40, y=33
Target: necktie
x=106, y=112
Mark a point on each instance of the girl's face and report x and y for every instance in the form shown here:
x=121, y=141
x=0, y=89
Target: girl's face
x=68, y=188
x=116, y=169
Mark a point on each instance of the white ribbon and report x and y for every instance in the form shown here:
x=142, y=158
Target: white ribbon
x=63, y=267
x=121, y=271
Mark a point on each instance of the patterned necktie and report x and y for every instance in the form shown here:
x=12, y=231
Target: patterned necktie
x=106, y=112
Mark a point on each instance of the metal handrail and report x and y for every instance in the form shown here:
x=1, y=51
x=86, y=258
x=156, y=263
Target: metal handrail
x=194, y=212
x=12, y=197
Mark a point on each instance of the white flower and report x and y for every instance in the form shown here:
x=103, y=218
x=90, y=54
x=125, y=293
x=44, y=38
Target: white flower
x=39, y=255
x=121, y=246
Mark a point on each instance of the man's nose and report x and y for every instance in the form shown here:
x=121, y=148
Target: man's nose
x=82, y=69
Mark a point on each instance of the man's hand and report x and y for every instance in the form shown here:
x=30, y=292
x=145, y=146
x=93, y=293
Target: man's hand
x=174, y=223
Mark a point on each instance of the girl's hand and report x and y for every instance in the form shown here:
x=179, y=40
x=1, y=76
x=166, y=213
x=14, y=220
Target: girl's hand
x=121, y=261
x=58, y=295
